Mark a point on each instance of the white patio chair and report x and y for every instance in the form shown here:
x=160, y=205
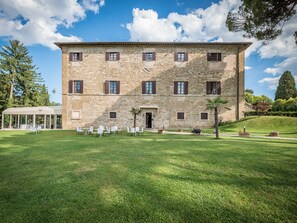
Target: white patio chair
x=140, y=131
x=100, y=132
x=107, y=131
x=79, y=130
x=91, y=130
x=38, y=129
x=133, y=131
x=137, y=130
x=114, y=129
x=33, y=130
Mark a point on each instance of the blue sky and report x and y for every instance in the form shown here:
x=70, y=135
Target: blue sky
x=40, y=23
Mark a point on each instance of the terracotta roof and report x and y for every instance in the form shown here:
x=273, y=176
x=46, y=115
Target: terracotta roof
x=244, y=44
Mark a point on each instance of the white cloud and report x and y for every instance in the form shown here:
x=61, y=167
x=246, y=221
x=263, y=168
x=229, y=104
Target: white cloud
x=272, y=71
x=37, y=21
x=93, y=5
x=271, y=81
x=147, y=26
x=287, y=64
x=247, y=67
x=198, y=25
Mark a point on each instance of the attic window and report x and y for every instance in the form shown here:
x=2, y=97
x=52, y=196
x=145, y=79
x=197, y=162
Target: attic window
x=214, y=56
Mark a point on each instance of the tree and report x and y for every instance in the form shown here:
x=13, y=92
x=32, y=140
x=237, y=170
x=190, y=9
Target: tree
x=279, y=105
x=19, y=74
x=44, y=98
x=249, y=91
x=291, y=104
x=286, y=86
x=135, y=112
x=262, y=19
x=215, y=105
x=261, y=106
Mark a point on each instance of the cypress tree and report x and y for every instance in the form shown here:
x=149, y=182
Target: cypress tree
x=286, y=86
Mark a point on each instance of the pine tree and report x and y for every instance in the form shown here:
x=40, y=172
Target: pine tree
x=286, y=86
x=20, y=82
x=44, y=98
x=262, y=19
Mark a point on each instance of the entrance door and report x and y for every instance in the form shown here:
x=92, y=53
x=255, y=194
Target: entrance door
x=148, y=120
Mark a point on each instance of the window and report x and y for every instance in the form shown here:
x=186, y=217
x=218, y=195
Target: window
x=112, y=87
x=180, y=57
x=75, y=56
x=112, y=56
x=214, y=56
x=149, y=56
x=180, y=87
x=204, y=116
x=180, y=115
x=75, y=86
x=149, y=87
x=213, y=87
x=112, y=115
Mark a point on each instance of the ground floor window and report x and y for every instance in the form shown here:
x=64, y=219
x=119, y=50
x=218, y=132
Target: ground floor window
x=112, y=115
x=204, y=116
x=180, y=115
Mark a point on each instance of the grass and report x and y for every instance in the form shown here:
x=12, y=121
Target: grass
x=58, y=176
x=286, y=126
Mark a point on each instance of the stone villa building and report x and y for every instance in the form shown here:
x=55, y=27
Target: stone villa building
x=170, y=82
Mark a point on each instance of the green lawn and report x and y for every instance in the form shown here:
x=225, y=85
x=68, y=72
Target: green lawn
x=58, y=176
x=286, y=126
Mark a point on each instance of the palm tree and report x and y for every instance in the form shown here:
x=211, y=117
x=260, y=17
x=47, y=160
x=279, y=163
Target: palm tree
x=215, y=104
x=135, y=112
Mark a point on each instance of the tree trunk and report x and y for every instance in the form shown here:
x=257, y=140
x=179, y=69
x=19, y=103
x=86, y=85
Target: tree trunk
x=216, y=122
x=10, y=100
x=134, y=120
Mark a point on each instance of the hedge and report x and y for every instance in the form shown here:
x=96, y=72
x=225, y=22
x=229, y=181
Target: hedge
x=271, y=113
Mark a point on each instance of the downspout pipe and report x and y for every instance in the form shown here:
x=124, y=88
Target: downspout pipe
x=237, y=84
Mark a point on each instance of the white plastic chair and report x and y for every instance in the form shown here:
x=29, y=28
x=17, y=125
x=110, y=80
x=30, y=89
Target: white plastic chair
x=38, y=129
x=107, y=131
x=133, y=131
x=140, y=131
x=33, y=130
x=91, y=130
x=100, y=131
x=79, y=130
x=113, y=129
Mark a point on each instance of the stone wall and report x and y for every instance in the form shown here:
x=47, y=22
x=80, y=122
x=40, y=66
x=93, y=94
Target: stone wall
x=93, y=106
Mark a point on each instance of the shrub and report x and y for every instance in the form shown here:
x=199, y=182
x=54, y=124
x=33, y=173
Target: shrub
x=271, y=113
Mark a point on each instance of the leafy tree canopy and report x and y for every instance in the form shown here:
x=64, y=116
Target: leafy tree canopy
x=262, y=19
x=249, y=91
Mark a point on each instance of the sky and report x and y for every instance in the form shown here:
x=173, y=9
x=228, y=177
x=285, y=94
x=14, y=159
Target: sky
x=40, y=23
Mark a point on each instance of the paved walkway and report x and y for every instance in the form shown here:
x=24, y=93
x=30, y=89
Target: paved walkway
x=224, y=134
